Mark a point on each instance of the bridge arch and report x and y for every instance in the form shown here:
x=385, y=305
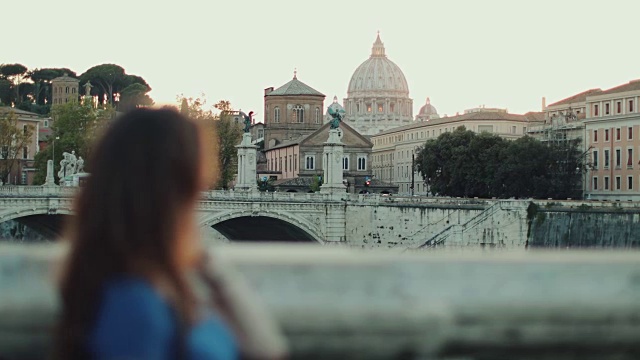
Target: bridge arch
x=292, y=220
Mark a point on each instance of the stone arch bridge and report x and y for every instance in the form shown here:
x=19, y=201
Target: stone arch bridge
x=367, y=221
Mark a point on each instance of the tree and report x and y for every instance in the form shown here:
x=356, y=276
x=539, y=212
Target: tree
x=15, y=73
x=133, y=96
x=78, y=126
x=108, y=78
x=13, y=138
x=222, y=130
x=465, y=164
x=42, y=82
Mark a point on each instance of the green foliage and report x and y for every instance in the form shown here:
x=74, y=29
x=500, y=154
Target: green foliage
x=225, y=132
x=465, y=164
x=266, y=185
x=133, y=96
x=14, y=73
x=42, y=82
x=13, y=138
x=78, y=127
x=316, y=183
x=532, y=210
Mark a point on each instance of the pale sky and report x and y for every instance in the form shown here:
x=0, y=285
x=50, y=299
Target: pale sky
x=461, y=54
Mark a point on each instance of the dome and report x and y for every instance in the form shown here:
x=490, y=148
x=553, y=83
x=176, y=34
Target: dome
x=378, y=75
x=428, y=109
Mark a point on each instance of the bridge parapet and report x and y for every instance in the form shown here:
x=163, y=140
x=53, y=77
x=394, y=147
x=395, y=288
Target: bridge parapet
x=37, y=191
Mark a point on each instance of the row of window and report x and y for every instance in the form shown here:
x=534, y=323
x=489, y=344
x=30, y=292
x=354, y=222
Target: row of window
x=392, y=139
x=617, y=131
x=618, y=107
x=310, y=163
x=297, y=114
x=4, y=152
x=596, y=185
x=606, y=158
x=58, y=89
x=59, y=101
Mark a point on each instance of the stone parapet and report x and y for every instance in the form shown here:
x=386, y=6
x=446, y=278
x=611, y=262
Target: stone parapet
x=335, y=303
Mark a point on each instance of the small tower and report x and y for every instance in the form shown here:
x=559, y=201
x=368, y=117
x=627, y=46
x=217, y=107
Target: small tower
x=65, y=89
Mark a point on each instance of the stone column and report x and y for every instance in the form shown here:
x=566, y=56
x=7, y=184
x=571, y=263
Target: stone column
x=50, y=180
x=332, y=164
x=247, y=180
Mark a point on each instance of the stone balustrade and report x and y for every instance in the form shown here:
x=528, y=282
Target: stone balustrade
x=336, y=303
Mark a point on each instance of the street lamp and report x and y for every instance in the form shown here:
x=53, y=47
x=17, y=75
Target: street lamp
x=53, y=157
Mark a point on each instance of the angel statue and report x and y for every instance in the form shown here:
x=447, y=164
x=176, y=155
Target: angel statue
x=337, y=116
x=247, y=120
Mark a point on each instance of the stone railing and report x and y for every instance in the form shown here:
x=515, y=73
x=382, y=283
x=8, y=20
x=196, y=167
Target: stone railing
x=37, y=191
x=334, y=303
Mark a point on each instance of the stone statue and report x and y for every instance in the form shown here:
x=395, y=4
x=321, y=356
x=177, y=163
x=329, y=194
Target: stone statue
x=80, y=165
x=63, y=165
x=87, y=88
x=71, y=164
x=337, y=116
x=247, y=121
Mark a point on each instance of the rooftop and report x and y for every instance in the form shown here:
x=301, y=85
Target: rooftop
x=295, y=87
x=581, y=97
x=632, y=85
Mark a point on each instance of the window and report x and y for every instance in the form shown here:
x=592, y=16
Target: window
x=295, y=162
x=524, y=130
x=606, y=109
x=595, y=183
x=345, y=163
x=362, y=163
x=25, y=152
x=606, y=158
x=595, y=135
x=23, y=178
x=298, y=114
x=629, y=182
x=73, y=90
x=606, y=183
x=485, y=128
x=618, y=107
x=276, y=114
x=286, y=167
x=618, y=158
x=380, y=108
x=595, y=110
x=25, y=129
x=317, y=116
x=392, y=107
x=368, y=107
x=46, y=123
x=309, y=162
x=513, y=129
x=66, y=90
x=618, y=183
x=357, y=108
x=595, y=159
x=618, y=134
x=629, y=157
x=606, y=134
x=66, y=101
x=630, y=105
x=630, y=133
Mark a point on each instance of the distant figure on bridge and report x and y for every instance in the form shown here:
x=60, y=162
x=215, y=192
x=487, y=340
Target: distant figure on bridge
x=125, y=292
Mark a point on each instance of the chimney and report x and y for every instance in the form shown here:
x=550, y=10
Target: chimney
x=544, y=103
x=268, y=90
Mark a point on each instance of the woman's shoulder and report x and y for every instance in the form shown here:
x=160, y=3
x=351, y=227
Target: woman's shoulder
x=132, y=318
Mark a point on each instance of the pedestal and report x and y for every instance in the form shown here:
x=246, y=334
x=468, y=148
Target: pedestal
x=246, y=180
x=50, y=180
x=332, y=164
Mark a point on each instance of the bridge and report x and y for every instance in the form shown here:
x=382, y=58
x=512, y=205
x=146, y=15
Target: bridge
x=357, y=220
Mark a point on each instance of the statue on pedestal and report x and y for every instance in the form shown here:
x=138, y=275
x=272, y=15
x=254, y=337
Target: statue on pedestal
x=247, y=120
x=337, y=116
x=80, y=165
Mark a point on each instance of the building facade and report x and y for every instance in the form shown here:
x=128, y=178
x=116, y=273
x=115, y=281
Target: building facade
x=291, y=112
x=378, y=95
x=23, y=171
x=612, y=139
x=394, y=150
x=65, y=89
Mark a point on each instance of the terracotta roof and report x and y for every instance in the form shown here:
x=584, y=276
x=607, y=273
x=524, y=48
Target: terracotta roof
x=534, y=116
x=21, y=113
x=473, y=116
x=295, y=87
x=581, y=97
x=630, y=86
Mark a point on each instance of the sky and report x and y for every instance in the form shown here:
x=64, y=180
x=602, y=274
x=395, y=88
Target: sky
x=460, y=53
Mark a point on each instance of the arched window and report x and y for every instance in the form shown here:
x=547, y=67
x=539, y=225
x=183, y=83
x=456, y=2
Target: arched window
x=276, y=114
x=73, y=90
x=380, y=108
x=298, y=113
x=345, y=163
x=358, y=108
x=317, y=116
x=66, y=90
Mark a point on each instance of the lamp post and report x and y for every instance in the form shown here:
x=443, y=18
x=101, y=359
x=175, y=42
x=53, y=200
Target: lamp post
x=413, y=173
